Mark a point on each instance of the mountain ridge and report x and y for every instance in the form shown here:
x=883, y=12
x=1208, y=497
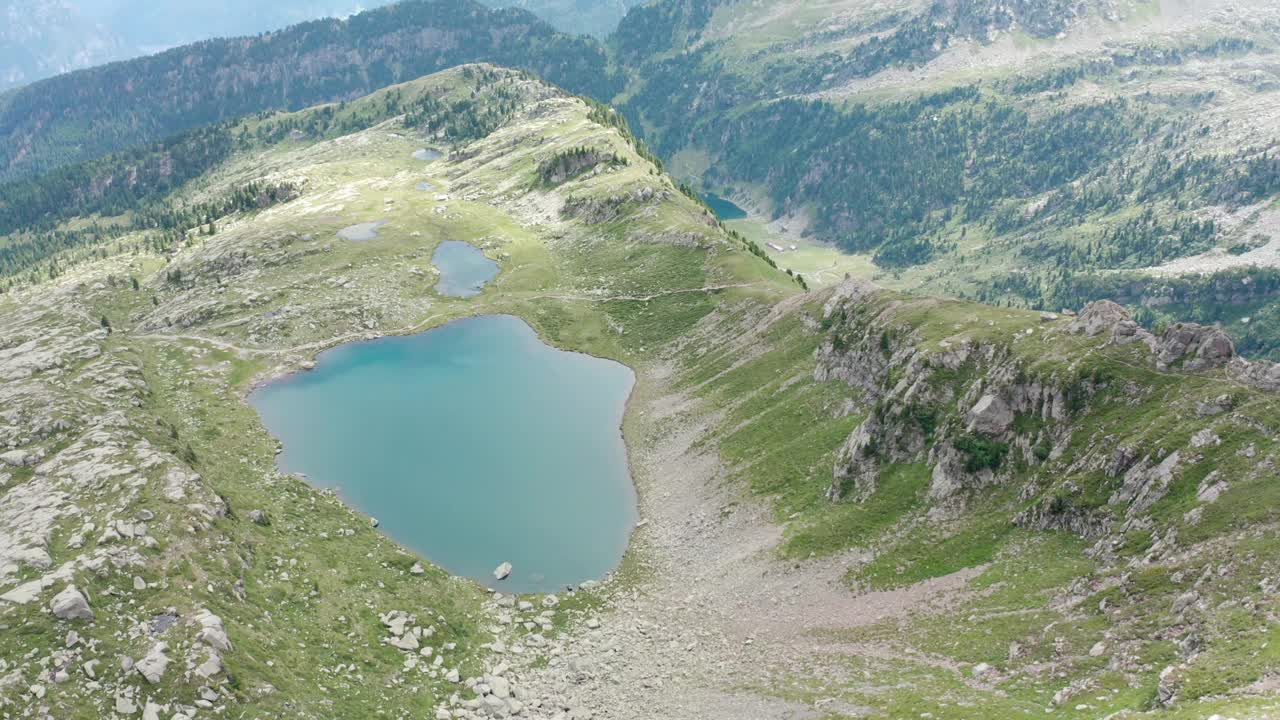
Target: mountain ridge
x=151, y=98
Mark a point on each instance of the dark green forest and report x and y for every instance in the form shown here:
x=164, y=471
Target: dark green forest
x=86, y=114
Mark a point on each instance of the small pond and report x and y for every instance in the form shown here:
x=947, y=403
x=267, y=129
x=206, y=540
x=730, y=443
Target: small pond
x=464, y=269
x=361, y=232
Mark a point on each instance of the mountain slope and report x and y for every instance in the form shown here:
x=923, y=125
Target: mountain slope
x=134, y=472
x=989, y=150
x=857, y=503
x=86, y=114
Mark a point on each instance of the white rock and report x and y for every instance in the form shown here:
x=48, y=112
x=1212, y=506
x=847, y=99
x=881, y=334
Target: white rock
x=25, y=593
x=502, y=571
x=212, y=632
x=499, y=686
x=417, y=569
x=151, y=711
x=70, y=604
x=210, y=667
x=408, y=641
x=981, y=669
x=14, y=458
x=152, y=666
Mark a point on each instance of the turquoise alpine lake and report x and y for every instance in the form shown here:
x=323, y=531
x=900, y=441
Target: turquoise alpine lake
x=724, y=209
x=474, y=444
x=464, y=269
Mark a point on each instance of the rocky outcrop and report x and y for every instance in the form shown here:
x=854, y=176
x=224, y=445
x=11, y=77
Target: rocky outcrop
x=955, y=403
x=857, y=467
x=1193, y=347
x=1060, y=513
x=1145, y=484
x=596, y=210
x=1099, y=317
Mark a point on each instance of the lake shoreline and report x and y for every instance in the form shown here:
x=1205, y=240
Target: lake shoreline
x=300, y=365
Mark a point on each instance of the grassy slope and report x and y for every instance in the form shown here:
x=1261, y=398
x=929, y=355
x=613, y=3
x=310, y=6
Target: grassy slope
x=1041, y=599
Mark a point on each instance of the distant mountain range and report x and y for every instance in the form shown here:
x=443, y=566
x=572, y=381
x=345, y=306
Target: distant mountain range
x=42, y=38
x=82, y=115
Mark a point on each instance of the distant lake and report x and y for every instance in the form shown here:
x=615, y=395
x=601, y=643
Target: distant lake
x=464, y=269
x=724, y=209
x=473, y=444
x=427, y=155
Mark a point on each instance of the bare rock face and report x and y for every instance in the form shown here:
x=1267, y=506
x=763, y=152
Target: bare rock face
x=1144, y=484
x=1198, y=347
x=856, y=464
x=991, y=415
x=1259, y=373
x=1098, y=317
x=71, y=604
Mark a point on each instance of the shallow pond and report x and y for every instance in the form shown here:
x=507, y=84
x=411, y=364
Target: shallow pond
x=361, y=232
x=474, y=444
x=464, y=269
x=427, y=154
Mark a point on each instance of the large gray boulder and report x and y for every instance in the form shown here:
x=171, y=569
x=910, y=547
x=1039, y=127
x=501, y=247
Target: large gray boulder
x=991, y=415
x=71, y=604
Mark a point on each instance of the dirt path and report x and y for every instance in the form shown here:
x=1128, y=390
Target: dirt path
x=419, y=326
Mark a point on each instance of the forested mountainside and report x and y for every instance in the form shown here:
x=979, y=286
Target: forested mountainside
x=592, y=17
x=83, y=115
x=1043, y=153
x=1012, y=152
x=42, y=38
x=854, y=500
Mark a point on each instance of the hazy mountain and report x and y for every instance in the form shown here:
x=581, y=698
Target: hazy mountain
x=42, y=38
x=85, y=114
